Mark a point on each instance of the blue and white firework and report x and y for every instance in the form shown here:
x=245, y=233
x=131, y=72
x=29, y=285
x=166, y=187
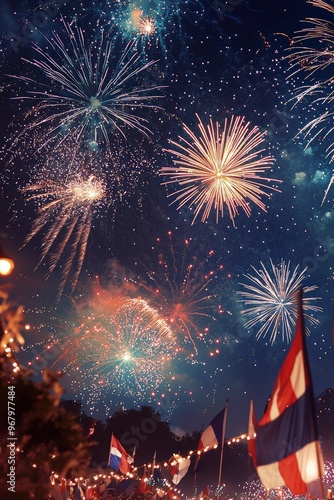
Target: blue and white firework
x=86, y=91
x=270, y=300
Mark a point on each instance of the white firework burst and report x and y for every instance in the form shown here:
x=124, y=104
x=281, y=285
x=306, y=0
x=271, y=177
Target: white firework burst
x=270, y=300
x=83, y=94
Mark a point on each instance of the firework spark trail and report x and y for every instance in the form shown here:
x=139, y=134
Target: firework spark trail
x=180, y=288
x=87, y=93
x=66, y=208
x=317, y=64
x=271, y=300
x=327, y=189
x=221, y=167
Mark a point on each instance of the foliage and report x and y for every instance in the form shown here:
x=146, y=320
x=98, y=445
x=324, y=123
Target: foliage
x=48, y=439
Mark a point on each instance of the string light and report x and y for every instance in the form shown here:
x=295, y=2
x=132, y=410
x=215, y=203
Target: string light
x=6, y=263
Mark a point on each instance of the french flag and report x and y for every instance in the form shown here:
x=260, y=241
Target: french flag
x=119, y=459
x=287, y=444
x=214, y=433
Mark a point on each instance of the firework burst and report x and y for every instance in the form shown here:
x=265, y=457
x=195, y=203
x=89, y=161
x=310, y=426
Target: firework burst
x=87, y=96
x=146, y=26
x=316, y=62
x=136, y=333
x=72, y=194
x=220, y=167
x=65, y=215
x=271, y=300
x=124, y=348
x=182, y=287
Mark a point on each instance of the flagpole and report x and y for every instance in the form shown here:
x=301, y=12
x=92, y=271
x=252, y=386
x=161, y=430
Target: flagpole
x=195, y=491
x=153, y=464
x=109, y=452
x=301, y=316
x=195, y=469
x=222, y=450
x=249, y=436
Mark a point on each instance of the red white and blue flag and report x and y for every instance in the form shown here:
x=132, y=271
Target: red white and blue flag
x=119, y=459
x=178, y=467
x=287, y=445
x=214, y=433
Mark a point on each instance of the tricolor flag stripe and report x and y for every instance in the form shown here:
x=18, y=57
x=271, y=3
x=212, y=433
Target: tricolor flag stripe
x=294, y=471
x=213, y=434
x=114, y=461
x=114, y=451
x=208, y=439
x=289, y=430
x=291, y=382
x=287, y=446
x=178, y=467
x=217, y=426
x=119, y=459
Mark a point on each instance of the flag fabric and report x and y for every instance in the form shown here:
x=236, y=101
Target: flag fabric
x=205, y=494
x=287, y=445
x=206, y=491
x=251, y=432
x=178, y=467
x=112, y=485
x=143, y=487
x=157, y=476
x=92, y=492
x=77, y=491
x=127, y=487
x=119, y=459
x=214, y=433
x=63, y=485
x=63, y=491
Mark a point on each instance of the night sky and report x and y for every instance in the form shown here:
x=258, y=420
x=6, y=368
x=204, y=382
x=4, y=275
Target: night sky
x=214, y=65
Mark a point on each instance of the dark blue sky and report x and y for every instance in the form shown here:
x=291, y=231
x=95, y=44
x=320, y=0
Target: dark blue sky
x=214, y=66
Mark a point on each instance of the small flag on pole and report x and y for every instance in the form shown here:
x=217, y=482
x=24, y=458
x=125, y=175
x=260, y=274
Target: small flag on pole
x=119, y=459
x=178, y=467
x=287, y=445
x=214, y=433
x=143, y=486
